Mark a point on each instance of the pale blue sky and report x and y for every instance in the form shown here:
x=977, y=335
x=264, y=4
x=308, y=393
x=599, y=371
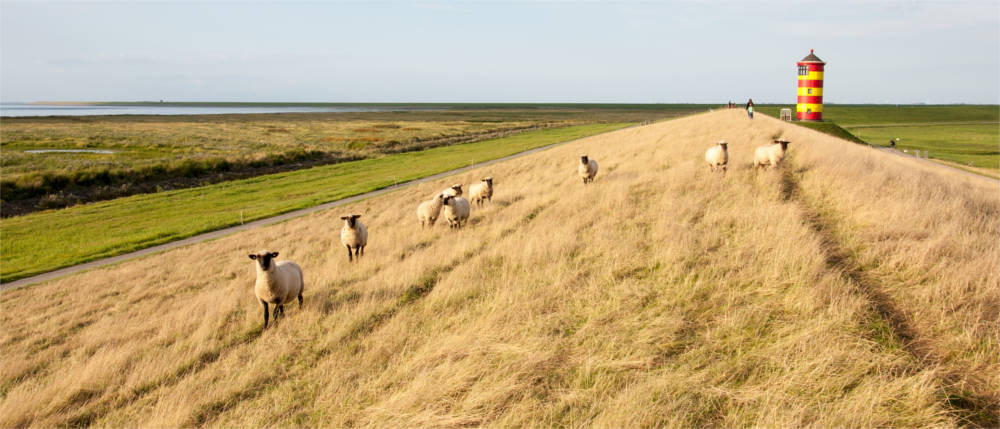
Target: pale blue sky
x=629, y=52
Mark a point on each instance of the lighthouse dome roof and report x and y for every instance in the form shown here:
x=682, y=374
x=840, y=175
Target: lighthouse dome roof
x=811, y=58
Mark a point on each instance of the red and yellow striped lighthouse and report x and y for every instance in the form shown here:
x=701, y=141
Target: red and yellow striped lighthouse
x=810, y=104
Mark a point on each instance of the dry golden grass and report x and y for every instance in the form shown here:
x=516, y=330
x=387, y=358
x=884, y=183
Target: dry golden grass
x=850, y=288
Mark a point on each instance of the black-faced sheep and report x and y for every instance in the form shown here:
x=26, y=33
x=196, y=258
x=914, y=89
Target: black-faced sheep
x=454, y=190
x=428, y=211
x=718, y=156
x=482, y=191
x=770, y=155
x=278, y=282
x=354, y=235
x=456, y=210
x=587, y=169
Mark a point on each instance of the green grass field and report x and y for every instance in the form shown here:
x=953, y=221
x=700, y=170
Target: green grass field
x=158, y=148
x=48, y=240
x=169, y=152
x=968, y=135
x=848, y=115
x=968, y=145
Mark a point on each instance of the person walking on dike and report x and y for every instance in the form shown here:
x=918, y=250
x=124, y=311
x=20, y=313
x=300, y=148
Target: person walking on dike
x=750, y=108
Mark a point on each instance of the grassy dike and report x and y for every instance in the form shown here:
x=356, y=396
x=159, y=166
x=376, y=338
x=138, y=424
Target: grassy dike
x=45, y=241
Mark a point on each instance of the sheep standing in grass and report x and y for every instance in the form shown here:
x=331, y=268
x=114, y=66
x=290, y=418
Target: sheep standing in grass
x=482, y=191
x=456, y=210
x=354, y=235
x=428, y=211
x=278, y=282
x=454, y=190
x=770, y=155
x=587, y=169
x=718, y=156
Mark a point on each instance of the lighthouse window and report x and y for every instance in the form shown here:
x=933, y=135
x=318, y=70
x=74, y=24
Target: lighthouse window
x=803, y=70
x=809, y=91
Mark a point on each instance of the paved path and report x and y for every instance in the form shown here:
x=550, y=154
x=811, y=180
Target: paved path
x=938, y=164
x=262, y=222
x=918, y=124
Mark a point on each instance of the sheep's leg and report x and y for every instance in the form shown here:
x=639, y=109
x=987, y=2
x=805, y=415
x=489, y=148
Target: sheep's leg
x=350, y=256
x=274, y=313
x=282, y=307
x=357, y=252
x=265, y=313
x=300, y=300
x=362, y=250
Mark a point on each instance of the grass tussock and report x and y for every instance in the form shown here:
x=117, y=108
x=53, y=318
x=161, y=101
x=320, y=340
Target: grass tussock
x=659, y=296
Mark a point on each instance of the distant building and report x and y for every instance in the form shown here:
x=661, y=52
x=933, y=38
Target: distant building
x=810, y=103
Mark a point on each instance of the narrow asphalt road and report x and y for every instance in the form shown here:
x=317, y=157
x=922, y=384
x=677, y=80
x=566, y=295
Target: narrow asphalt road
x=937, y=164
x=262, y=222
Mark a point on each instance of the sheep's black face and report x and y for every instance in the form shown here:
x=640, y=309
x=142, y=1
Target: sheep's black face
x=784, y=145
x=265, y=262
x=489, y=181
x=724, y=145
x=584, y=160
x=264, y=259
x=351, y=220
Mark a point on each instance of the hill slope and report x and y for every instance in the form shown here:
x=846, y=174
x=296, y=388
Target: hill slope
x=848, y=288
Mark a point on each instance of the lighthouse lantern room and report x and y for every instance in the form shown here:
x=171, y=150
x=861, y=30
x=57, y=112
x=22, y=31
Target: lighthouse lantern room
x=810, y=102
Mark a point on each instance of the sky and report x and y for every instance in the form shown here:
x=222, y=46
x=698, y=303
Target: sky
x=556, y=51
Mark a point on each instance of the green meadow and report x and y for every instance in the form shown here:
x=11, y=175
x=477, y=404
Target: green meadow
x=48, y=240
x=149, y=153
x=967, y=135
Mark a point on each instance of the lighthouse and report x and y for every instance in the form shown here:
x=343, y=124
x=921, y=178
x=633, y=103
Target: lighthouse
x=810, y=103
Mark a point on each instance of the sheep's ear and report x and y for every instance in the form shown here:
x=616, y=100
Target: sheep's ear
x=355, y=216
x=344, y=217
x=274, y=254
x=254, y=257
